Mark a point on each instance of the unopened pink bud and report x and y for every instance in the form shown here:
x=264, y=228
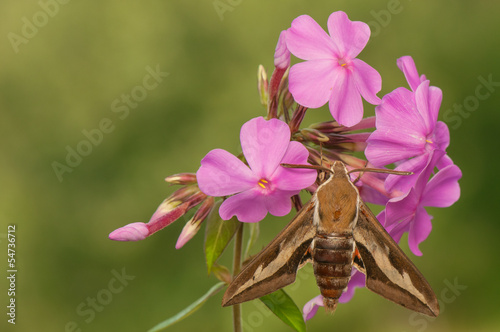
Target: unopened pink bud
x=281, y=63
x=282, y=54
x=187, y=234
x=131, y=232
x=193, y=226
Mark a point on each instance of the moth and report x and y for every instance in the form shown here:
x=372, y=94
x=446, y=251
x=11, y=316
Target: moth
x=335, y=230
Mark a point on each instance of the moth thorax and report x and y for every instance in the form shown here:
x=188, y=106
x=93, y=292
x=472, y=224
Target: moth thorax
x=332, y=262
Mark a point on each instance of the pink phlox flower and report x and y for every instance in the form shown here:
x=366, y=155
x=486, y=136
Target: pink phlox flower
x=331, y=72
x=407, y=213
x=263, y=186
x=407, y=130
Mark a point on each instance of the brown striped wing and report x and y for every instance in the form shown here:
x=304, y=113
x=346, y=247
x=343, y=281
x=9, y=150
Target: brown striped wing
x=277, y=264
x=389, y=272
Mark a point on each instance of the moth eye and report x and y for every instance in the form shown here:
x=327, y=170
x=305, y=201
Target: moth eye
x=323, y=176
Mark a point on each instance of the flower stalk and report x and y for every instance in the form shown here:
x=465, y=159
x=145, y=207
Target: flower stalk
x=238, y=244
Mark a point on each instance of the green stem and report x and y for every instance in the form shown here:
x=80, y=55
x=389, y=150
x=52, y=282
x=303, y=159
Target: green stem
x=238, y=243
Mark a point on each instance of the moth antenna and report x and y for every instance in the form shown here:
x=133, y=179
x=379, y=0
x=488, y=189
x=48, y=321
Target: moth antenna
x=360, y=174
x=321, y=176
x=316, y=167
x=321, y=153
x=380, y=170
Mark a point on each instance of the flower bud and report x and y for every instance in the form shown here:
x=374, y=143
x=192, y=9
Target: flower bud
x=181, y=178
x=171, y=209
x=281, y=63
x=132, y=232
x=193, y=225
x=352, y=146
x=262, y=85
x=327, y=127
x=174, y=200
x=333, y=126
x=297, y=118
x=281, y=53
x=314, y=136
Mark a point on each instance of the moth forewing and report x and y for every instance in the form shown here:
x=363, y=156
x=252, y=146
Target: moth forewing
x=276, y=265
x=389, y=272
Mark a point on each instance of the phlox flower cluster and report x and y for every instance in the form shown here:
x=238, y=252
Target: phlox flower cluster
x=405, y=133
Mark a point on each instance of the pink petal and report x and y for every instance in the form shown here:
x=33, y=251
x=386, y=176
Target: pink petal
x=131, y=232
x=370, y=195
x=247, y=206
x=223, y=174
x=264, y=144
x=443, y=189
x=294, y=178
x=381, y=218
x=441, y=136
x=311, y=307
x=444, y=161
x=345, y=104
x=420, y=229
x=367, y=80
x=307, y=40
x=423, y=178
x=311, y=82
x=279, y=203
x=397, y=230
x=358, y=280
x=349, y=37
x=400, y=133
x=422, y=102
x=403, y=183
x=382, y=150
x=400, y=208
x=407, y=66
x=435, y=99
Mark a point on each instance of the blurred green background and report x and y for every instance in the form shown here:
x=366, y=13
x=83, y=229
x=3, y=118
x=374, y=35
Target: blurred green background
x=66, y=75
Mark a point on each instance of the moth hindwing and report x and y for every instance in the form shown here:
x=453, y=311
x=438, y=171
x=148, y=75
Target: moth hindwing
x=337, y=230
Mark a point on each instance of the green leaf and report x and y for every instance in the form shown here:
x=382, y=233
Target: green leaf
x=283, y=306
x=222, y=273
x=218, y=235
x=189, y=310
x=254, y=235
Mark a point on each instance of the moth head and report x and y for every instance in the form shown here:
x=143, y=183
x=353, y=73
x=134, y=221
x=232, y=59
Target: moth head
x=338, y=169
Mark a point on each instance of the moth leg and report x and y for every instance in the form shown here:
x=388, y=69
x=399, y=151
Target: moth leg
x=307, y=258
x=358, y=262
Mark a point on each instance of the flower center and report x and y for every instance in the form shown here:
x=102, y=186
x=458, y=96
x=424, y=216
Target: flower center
x=429, y=143
x=263, y=183
x=344, y=62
